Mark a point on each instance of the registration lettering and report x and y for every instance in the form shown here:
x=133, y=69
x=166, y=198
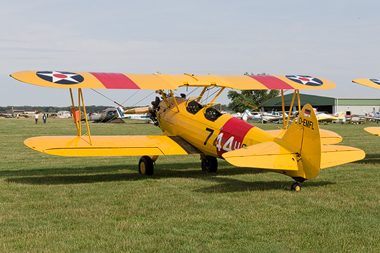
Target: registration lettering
x=306, y=123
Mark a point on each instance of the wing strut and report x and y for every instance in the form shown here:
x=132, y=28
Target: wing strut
x=77, y=120
x=296, y=93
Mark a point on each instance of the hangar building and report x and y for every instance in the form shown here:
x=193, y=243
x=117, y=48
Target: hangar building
x=331, y=105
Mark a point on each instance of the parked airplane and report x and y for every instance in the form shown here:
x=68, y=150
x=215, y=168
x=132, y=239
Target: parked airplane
x=192, y=128
x=326, y=117
x=132, y=115
x=374, y=115
x=64, y=114
x=106, y=116
x=373, y=83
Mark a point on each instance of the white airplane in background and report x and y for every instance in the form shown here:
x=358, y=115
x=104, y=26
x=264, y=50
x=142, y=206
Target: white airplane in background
x=247, y=115
x=373, y=115
x=134, y=114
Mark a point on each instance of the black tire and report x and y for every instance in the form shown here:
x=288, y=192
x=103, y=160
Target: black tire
x=296, y=187
x=210, y=164
x=146, y=166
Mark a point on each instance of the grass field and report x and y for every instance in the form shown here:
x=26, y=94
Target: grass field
x=72, y=204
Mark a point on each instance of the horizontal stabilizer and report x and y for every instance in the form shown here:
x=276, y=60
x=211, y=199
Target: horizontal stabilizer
x=327, y=137
x=373, y=130
x=267, y=155
x=110, y=145
x=333, y=155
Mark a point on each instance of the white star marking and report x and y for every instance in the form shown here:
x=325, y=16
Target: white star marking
x=306, y=80
x=58, y=76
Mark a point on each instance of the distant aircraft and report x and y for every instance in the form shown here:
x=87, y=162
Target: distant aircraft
x=64, y=114
x=374, y=115
x=272, y=116
x=106, y=116
x=326, y=117
x=190, y=127
x=135, y=116
x=373, y=83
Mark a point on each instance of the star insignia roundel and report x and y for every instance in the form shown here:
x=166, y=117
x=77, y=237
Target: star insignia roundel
x=305, y=80
x=377, y=81
x=60, y=77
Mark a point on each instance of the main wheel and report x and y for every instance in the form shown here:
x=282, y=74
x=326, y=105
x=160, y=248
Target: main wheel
x=296, y=187
x=210, y=164
x=146, y=166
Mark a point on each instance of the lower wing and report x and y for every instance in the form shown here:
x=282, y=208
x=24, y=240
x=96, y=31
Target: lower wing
x=111, y=145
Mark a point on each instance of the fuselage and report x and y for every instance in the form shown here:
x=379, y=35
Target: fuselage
x=212, y=132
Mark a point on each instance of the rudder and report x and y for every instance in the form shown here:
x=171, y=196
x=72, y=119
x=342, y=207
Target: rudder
x=303, y=137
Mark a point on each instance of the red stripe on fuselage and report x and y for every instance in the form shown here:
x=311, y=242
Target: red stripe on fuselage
x=115, y=81
x=272, y=83
x=231, y=135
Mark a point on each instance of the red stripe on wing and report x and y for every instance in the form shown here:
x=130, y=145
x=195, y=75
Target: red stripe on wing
x=115, y=81
x=271, y=82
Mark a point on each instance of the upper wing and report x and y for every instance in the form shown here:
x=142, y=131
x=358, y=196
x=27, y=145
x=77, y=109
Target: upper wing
x=59, y=79
x=111, y=145
x=373, y=83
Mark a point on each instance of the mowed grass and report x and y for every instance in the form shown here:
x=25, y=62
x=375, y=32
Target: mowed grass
x=101, y=204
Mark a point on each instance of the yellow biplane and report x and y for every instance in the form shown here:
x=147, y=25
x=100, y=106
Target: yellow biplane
x=373, y=83
x=299, y=150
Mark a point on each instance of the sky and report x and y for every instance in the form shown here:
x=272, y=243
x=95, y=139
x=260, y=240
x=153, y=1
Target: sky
x=333, y=39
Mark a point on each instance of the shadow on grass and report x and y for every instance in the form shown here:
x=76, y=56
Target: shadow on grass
x=106, y=174
x=370, y=159
x=224, y=184
x=232, y=185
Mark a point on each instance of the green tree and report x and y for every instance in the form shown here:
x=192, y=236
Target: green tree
x=252, y=97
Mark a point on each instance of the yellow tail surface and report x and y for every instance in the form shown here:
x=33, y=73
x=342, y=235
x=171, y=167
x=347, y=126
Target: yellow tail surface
x=303, y=137
x=300, y=153
x=296, y=154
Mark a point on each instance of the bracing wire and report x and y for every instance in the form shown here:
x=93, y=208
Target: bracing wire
x=130, y=97
x=103, y=95
x=211, y=94
x=125, y=100
x=192, y=91
x=143, y=98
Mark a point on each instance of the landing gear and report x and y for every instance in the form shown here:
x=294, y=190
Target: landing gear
x=209, y=164
x=296, y=187
x=146, y=166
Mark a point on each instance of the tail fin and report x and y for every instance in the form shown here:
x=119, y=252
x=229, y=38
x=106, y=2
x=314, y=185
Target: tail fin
x=297, y=154
x=341, y=115
x=303, y=138
x=119, y=113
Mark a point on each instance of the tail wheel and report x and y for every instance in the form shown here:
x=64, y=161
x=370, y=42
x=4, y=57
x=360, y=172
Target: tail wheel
x=296, y=187
x=209, y=164
x=146, y=166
